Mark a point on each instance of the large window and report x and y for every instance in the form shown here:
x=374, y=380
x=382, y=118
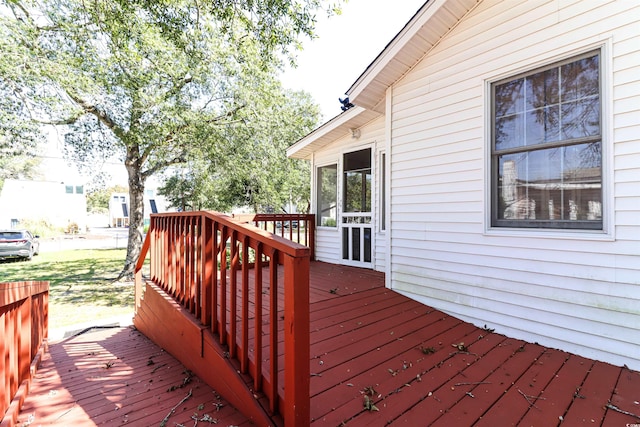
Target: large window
x=547, y=147
x=327, y=196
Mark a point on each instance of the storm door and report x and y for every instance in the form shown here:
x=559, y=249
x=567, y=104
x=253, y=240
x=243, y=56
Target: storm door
x=356, y=210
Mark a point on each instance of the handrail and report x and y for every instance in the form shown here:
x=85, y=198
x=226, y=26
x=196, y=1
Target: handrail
x=300, y=228
x=24, y=327
x=212, y=265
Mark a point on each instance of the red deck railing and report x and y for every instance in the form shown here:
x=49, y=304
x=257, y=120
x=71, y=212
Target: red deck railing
x=203, y=260
x=299, y=228
x=23, y=328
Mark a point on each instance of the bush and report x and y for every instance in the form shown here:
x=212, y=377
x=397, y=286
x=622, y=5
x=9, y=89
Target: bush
x=72, y=228
x=40, y=228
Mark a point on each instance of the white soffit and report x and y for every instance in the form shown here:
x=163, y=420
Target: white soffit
x=331, y=131
x=427, y=27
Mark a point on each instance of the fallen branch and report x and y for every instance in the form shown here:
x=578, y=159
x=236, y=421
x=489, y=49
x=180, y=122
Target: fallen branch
x=615, y=408
x=528, y=398
x=165, y=419
x=478, y=383
x=158, y=367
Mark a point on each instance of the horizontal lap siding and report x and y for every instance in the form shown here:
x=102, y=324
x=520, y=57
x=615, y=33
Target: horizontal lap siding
x=581, y=294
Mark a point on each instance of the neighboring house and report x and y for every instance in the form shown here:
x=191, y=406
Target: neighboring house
x=491, y=167
x=119, y=207
x=59, y=204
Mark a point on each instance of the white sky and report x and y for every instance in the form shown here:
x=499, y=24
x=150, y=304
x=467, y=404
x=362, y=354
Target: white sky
x=345, y=46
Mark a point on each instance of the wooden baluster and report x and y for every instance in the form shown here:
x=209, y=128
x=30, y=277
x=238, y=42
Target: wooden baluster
x=222, y=330
x=197, y=267
x=207, y=269
x=233, y=296
x=273, y=330
x=244, y=361
x=216, y=270
x=187, y=264
x=257, y=340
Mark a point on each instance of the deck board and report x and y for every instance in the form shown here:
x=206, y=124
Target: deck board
x=116, y=376
x=418, y=366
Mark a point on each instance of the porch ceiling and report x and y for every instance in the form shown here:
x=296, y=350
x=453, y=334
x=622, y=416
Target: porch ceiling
x=334, y=129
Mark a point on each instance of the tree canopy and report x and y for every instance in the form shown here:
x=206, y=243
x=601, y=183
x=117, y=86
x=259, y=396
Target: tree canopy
x=148, y=81
x=250, y=168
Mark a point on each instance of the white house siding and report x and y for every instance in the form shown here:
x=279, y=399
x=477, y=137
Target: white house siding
x=328, y=239
x=580, y=291
x=53, y=202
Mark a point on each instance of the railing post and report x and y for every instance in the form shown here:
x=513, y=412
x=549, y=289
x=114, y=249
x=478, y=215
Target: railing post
x=207, y=264
x=24, y=335
x=296, y=341
x=311, y=229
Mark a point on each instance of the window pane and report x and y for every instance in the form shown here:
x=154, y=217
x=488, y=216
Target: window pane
x=509, y=98
x=542, y=89
x=353, y=192
x=583, y=182
x=581, y=118
x=355, y=244
x=543, y=125
x=557, y=184
x=509, y=132
x=367, y=245
x=357, y=181
x=327, y=196
x=357, y=160
x=580, y=79
x=345, y=243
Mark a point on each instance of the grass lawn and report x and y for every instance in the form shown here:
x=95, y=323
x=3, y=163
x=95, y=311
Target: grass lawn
x=82, y=287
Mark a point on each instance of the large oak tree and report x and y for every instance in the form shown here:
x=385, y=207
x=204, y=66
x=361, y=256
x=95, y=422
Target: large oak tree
x=145, y=80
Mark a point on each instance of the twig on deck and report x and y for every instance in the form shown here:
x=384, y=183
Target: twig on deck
x=158, y=367
x=165, y=419
x=615, y=408
x=478, y=383
x=529, y=399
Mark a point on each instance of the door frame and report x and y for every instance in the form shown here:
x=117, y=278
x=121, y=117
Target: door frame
x=342, y=215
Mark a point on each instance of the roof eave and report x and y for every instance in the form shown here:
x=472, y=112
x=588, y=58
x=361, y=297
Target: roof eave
x=423, y=32
x=337, y=127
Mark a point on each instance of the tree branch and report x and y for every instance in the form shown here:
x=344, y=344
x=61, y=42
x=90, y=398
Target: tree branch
x=162, y=165
x=102, y=116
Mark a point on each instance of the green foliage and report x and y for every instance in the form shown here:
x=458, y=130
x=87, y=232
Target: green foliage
x=17, y=166
x=150, y=82
x=40, y=228
x=250, y=167
x=98, y=199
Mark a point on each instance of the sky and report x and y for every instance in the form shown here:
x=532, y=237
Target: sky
x=345, y=46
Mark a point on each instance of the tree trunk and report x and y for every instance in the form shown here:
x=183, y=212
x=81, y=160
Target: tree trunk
x=136, y=217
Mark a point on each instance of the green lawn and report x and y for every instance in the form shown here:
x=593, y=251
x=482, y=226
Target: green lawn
x=82, y=287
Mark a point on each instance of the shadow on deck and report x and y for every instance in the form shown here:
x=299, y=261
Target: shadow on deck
x=377, y=358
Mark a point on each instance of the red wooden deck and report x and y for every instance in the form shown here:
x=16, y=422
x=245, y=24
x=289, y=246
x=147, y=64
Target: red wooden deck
x=409, y=364
x=117, y=376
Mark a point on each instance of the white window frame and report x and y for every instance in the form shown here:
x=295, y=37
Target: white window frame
x=316, y=195
x=608, y=230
